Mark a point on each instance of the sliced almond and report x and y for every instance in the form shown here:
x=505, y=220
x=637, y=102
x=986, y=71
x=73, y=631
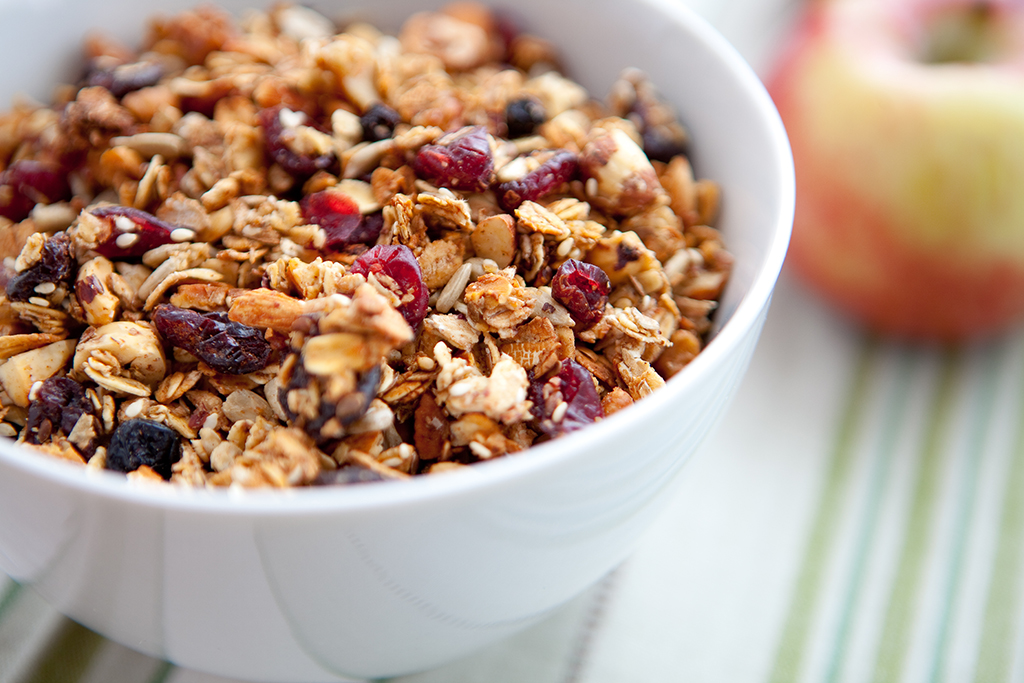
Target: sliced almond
x=495, y=238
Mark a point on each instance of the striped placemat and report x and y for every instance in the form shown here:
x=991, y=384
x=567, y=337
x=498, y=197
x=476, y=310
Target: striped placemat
x=858, y=517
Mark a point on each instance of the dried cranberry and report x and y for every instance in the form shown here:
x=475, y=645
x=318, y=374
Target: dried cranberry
x=396, y=268
x=460, y=161
x=54, y=266
x=26, y=183
x=134, y=232
x=379, y=122
x=58, y=404
x=558, y=169
x=574, y=386
x=278, y=136
x=226, y=346
x=583, y=289
x=125, y=78
x=141, y=442
x=522, y=116
x=340, y=219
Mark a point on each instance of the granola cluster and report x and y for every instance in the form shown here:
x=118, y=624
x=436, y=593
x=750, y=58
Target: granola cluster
x=265, y=253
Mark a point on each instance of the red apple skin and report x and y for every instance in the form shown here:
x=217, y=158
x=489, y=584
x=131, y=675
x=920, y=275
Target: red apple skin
x=910, y=179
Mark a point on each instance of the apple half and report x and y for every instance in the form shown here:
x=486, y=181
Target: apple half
x=906, y=119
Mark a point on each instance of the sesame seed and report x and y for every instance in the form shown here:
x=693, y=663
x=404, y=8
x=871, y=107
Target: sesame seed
x=591, y=187
x=426, y=363
x=210, y=422
x=125, y=224
x=291, y=119
x=183, y=235
x=33, y=391
x=459, y=389
x=39, y=301
x=133, y=409
x=565, y=246
x=46, y=288
x=559, y=412
x=126, y=240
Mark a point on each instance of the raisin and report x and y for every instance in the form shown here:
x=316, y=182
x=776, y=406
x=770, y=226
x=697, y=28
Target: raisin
x=558, y=169
x=460, y=161
x=125, y=78
x=133, y=232
x=54, y=266
x=347, y=476
x=522, y=117
x=340, y=219
x=277, y=137
x=141, y=442
x=662, y=146
x=345, y=409
x=58, y=404
x=226, y=346
x=572, y=385
x=26, y=183
x=583, y=289
x=379, y=122
x=396, y=267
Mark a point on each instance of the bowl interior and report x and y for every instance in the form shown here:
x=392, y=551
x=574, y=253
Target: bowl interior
x=737, y=140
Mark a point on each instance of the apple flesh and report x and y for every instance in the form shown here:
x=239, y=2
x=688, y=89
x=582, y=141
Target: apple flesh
x=906, y=120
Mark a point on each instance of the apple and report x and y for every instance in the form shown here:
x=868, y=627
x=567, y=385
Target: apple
x=906, y=119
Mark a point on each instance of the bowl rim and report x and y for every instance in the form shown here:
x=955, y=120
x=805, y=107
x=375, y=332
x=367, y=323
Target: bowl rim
x=484, y=476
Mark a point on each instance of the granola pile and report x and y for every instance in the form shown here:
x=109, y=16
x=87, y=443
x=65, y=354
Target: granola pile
x=265, y=253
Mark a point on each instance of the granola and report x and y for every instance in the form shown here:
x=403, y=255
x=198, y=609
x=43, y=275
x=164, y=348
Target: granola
x=266, y=253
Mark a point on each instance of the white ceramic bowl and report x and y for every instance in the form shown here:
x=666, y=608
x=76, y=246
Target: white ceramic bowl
x=375, y=580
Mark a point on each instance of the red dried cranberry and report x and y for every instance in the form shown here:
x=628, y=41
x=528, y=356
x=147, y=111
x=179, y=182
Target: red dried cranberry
x=583, y=289
x=574, y=386
x=522, y=116
x=460, y=161
x=54, y=266
x=397, y=269
x=278, y=137
x=145, y=231
x=557, y=170
x=58, y=404
x=226, y=346
x=340, y=219
x=141, y=442
x=126, y=78
x=379, y=122
x=26, y=183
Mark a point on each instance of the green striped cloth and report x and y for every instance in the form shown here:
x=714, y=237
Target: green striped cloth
x=858, y=517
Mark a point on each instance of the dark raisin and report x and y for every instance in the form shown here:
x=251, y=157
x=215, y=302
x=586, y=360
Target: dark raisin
x=460, y=161
x=583, y=289
x=58, y=404
x=279, y=139
x=553, y=173
x=572, y=385
x=226, y=346
x=54, y=266
x=339, y=216
x=396, y=267
x=125, y=78
x=134, y=232
x=522, y=116
x=346, y=476
x=141, y=442
x=661, y=145
x=379, y=122
x=26, y=183
x=319, y=407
